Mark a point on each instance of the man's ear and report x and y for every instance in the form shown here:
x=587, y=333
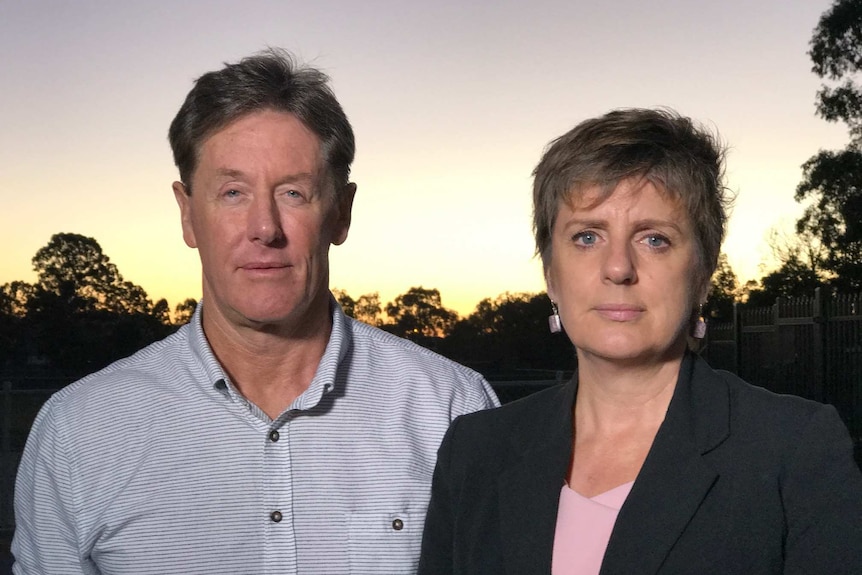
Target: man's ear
x=344, y=212
x=184, y=199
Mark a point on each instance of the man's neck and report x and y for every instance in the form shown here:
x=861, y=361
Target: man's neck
x=270, y=365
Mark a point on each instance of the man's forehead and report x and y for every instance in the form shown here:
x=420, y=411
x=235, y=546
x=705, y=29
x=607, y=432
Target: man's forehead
x=256, y=133
x=261, y=119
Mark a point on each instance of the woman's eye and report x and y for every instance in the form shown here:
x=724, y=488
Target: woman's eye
x=657, y=241
x=585, y=238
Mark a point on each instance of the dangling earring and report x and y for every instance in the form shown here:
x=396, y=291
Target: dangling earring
x=699, y=329
x=554, y=322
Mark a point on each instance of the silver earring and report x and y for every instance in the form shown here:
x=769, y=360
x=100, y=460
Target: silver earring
x=699, y=329
x=554, y=322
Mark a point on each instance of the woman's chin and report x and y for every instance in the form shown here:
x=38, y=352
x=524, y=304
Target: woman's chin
x=627, y=352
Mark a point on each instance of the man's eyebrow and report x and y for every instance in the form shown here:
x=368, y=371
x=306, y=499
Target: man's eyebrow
x=230, y=173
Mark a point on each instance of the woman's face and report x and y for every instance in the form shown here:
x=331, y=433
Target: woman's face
x=623, y=273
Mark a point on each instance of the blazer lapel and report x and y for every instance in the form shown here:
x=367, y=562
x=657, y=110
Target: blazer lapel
x=529, y=490
x=674, y=479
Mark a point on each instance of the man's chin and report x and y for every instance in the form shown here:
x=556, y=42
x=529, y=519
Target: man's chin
x=282, y=319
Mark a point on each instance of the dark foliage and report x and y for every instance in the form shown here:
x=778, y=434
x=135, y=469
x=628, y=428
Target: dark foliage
x=508, y=337
x=832, y=180
x=723, y=292
x=836, y=52
x=79, y=316
x=419, y=314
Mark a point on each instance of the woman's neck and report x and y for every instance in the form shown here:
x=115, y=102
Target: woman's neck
x=613, y=396
x=617, y=414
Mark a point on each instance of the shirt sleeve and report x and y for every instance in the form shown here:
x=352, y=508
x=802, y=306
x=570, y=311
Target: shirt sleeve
x=46, y=534
x=480, y=395
x=822, y=496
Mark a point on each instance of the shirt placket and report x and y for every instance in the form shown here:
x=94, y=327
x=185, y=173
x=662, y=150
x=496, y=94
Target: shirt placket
x=280, y=548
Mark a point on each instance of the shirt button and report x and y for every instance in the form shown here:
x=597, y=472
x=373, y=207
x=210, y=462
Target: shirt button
x=275, y=516
x=397, y=525
x=273, y=436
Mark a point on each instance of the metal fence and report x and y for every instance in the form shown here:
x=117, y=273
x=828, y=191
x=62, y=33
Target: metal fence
x=811, y=347
x=20, y=400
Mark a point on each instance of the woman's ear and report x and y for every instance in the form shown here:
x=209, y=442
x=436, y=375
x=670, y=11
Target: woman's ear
x=549, y=284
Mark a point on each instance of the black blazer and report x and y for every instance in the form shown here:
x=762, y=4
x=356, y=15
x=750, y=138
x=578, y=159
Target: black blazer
x=738, y=481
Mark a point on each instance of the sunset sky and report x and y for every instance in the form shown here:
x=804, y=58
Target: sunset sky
x=452, y=103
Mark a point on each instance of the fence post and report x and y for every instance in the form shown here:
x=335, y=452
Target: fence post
x=6, y=432
x=737, y=338
x=818, y=315
x=6, y=480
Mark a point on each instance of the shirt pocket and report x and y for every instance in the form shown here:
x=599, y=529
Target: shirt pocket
x=385, y=543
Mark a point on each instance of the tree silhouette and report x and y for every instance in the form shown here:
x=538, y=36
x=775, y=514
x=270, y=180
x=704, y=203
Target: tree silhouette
x=419, y=313
x=347, y=303
x=368, y=308
x=184, y=311
x=836, y=51
x=11, y=317
x=798, y=275
x=80, y=314
x=14, y=297
x=833, y=179
x=509, y=334
x=73, y=268
x=793, y=279
x=162, y=312
x=723, y=291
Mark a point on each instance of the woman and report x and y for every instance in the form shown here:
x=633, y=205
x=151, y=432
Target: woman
x=648, y=461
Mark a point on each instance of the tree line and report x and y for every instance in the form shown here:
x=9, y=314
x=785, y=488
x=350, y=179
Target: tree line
x=81, y=314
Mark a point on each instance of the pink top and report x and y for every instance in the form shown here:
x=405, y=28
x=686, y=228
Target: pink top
x=584, y=527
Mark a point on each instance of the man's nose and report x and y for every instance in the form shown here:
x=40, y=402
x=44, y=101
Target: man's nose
x=264, y=221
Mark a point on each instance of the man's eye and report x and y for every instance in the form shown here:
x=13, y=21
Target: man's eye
x=231, y=194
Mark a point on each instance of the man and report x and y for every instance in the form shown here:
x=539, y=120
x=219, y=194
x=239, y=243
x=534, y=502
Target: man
x=272, y=434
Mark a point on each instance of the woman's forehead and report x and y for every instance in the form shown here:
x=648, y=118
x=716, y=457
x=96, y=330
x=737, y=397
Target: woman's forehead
x=589, y=196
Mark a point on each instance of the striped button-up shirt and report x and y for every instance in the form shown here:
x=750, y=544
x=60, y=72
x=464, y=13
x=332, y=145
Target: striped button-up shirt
x=157, y=464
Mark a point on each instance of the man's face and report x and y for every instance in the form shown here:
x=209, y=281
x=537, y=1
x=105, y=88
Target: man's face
x=262, y=218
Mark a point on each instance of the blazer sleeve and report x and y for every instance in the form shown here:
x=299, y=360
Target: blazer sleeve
x=438, y=538
x=821, y=490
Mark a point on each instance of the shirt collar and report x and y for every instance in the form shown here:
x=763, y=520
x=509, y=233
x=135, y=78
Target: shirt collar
x=325, y=378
